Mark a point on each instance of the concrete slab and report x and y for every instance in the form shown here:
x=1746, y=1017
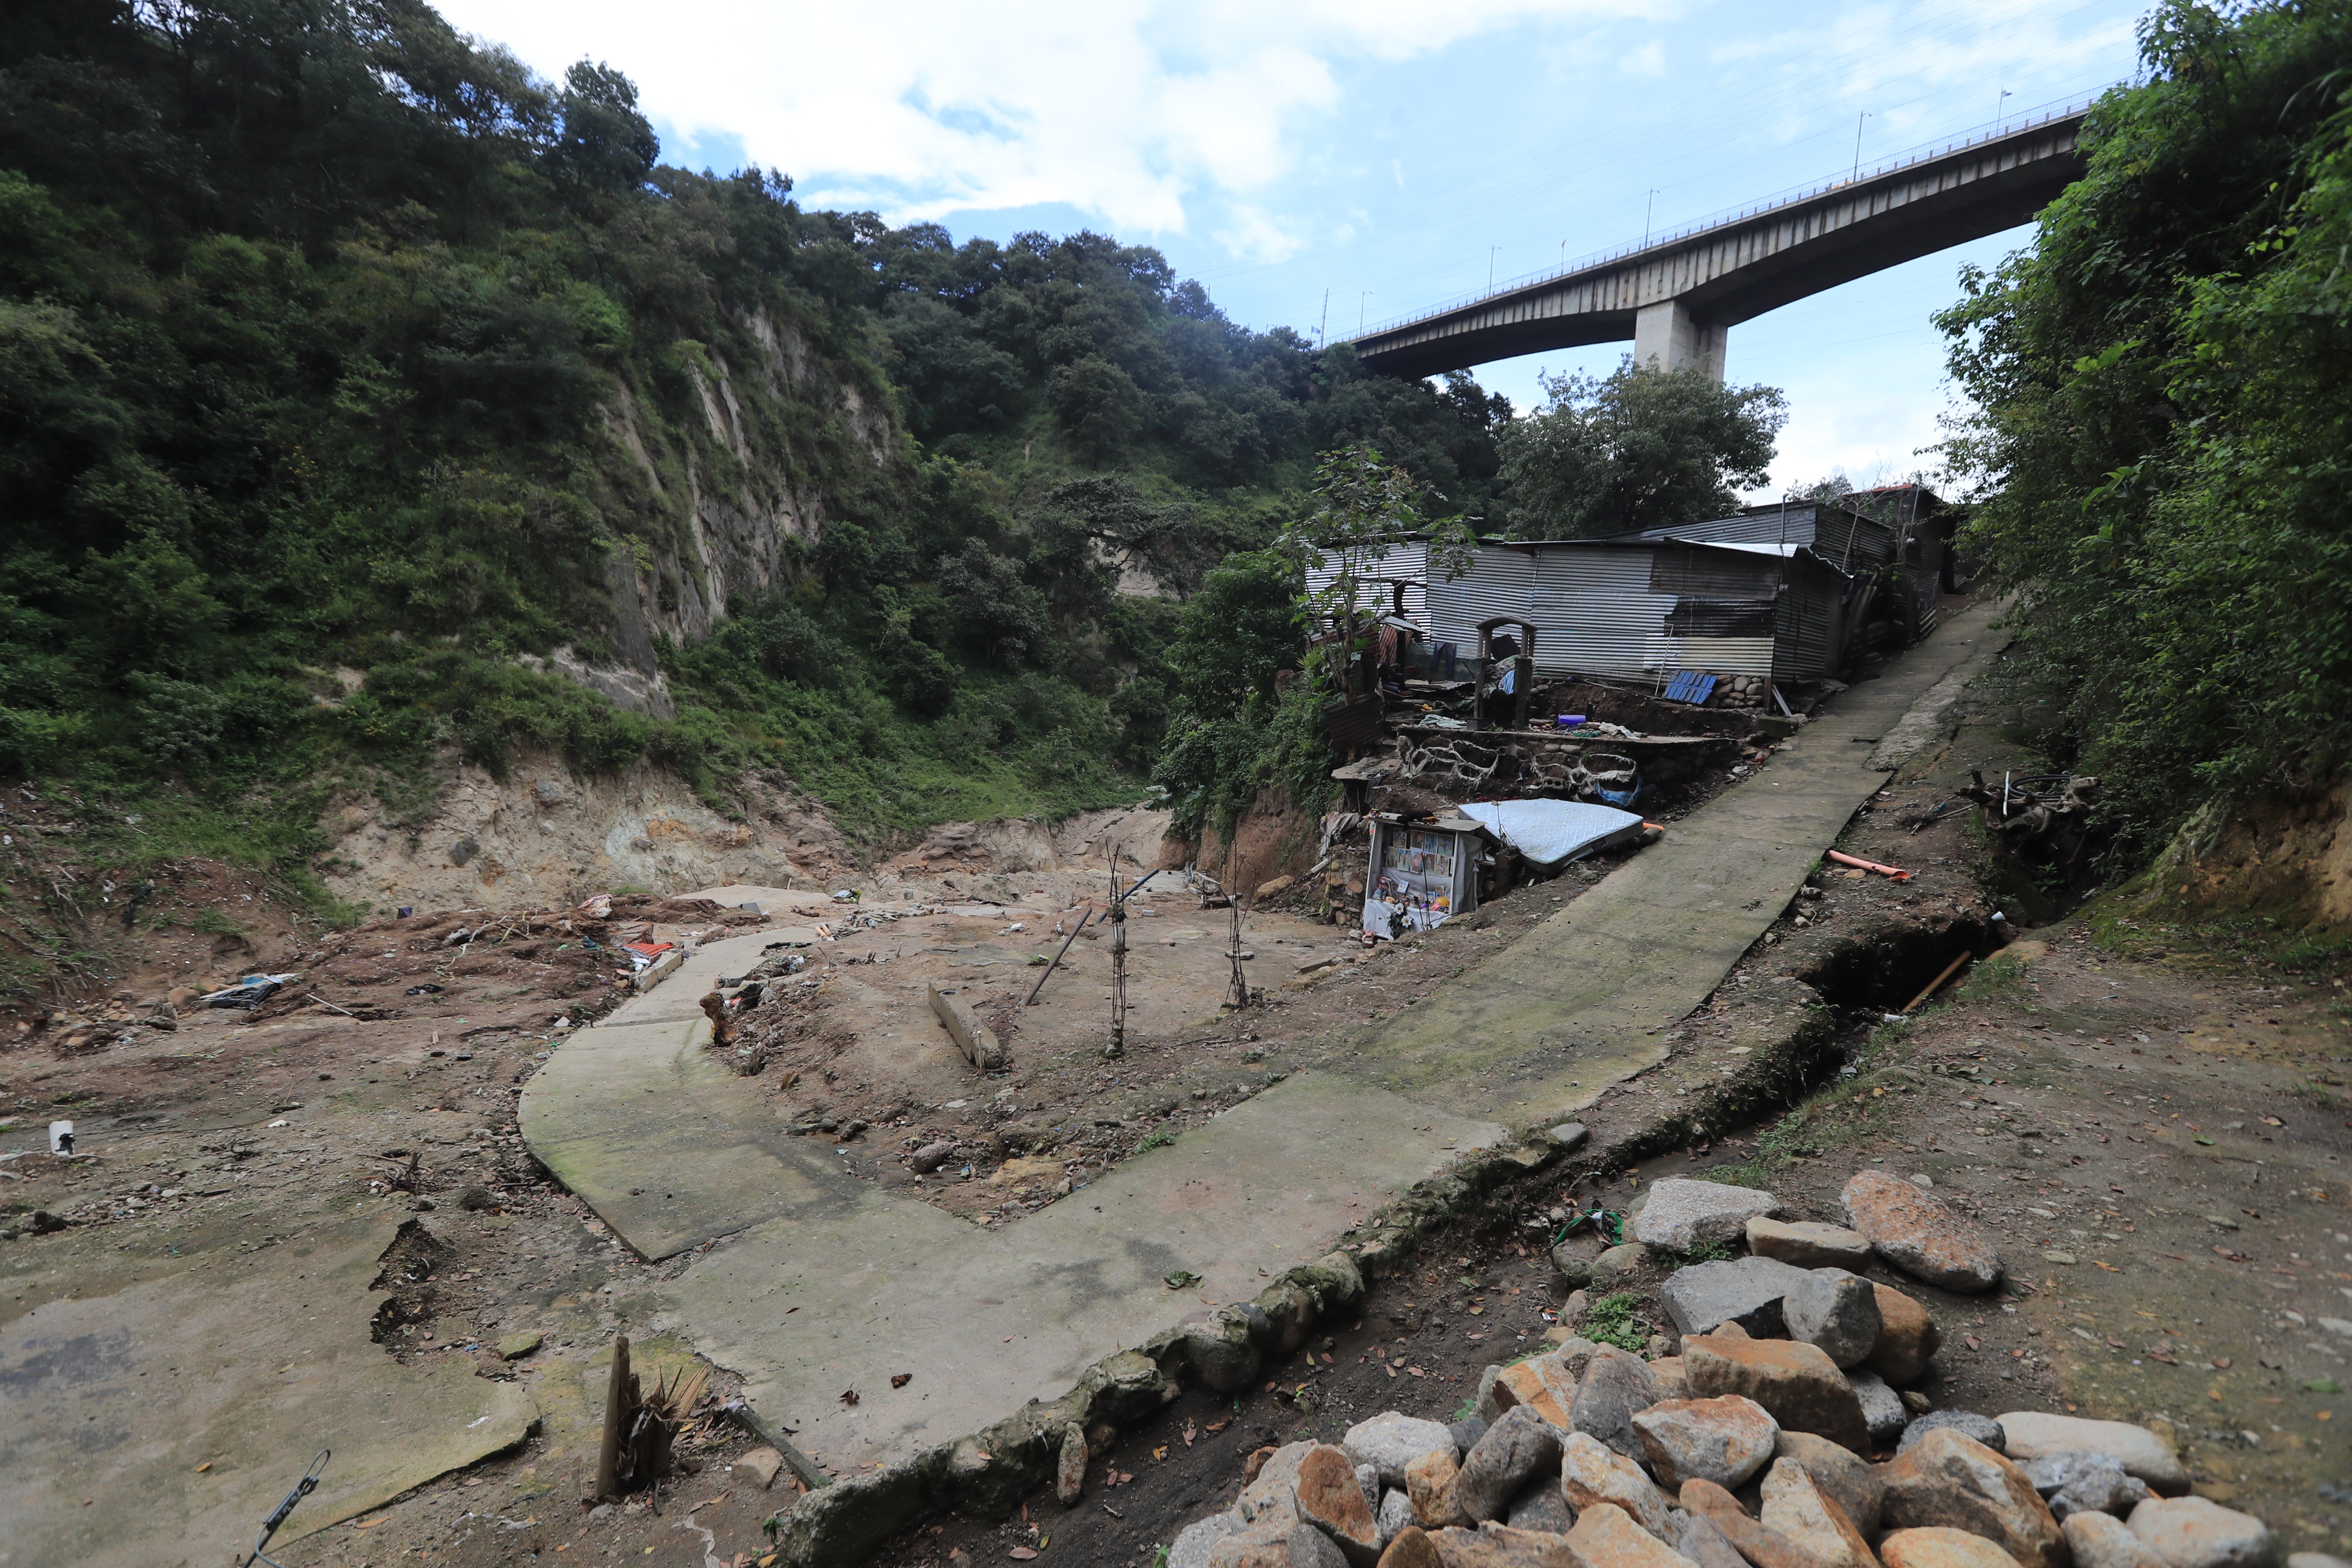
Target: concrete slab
x=1589, y=996
x=137, y=1386
x=844, y=1296
x=819, y=1283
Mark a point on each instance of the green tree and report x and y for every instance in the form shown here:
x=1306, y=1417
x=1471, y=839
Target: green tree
x=1643, y=448
x=2162, y=409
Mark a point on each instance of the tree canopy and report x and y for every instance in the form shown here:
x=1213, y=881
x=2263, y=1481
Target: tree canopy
x=2162, y=390
x=1640, y=449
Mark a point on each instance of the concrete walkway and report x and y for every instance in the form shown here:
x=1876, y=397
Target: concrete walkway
x=815, y=1282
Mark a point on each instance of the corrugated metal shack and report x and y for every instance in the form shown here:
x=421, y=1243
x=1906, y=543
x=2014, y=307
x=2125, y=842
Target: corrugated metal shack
x=1640, y=609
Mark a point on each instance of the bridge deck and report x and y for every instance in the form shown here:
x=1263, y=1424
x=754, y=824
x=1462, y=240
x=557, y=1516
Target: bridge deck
x=1727, y=272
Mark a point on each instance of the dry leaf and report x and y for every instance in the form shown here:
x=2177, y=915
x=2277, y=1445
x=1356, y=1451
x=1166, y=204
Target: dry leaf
x=901, y=1378
x=849, y=1396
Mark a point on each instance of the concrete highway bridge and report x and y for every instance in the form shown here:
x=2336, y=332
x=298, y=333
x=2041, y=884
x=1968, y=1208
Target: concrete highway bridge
x=1678, y=296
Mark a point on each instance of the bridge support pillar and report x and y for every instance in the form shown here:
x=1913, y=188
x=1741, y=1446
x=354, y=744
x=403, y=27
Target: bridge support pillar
x=1666, y=334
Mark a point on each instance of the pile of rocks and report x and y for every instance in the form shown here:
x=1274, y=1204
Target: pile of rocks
x=1752, y=1446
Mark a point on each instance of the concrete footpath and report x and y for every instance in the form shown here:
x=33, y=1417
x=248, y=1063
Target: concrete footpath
x=815, y=1283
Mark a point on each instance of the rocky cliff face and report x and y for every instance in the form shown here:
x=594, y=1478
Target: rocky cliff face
x=710, y=505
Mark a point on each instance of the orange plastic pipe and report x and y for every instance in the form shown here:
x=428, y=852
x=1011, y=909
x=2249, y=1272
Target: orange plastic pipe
x=1844, y=859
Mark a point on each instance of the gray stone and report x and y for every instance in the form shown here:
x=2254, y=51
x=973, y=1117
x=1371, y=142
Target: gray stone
x=1808, y=1244
x=1574, y=1263
x=2103, y=1540
x=2198, y=1533
x=1967, y=1423
x=1311, y=1548
x=2085, y=1483
x=1488, y=1408
x=1541, y=1506
x=2317, y=1559
x=1593, y=1475
x=2032, y=1433
x=1193, y=1543
x=1275, y=1494
x=1616, y=1383
x=1391, y=1440
x=1882, y=1408
x=1368, y=1481
x=1466, y=1433
x=1517, y=1447
x=1394, y=1513
x=1569, y=1136
x=1842, y=1473
x=1070, y=1467
x=1834, y=1310
x=758, y=1468
x=1920, y=1233
x=1705, y=1545
x=1619, y=1260
x=1703, y=1297
x=1722, y=1440
x=1682, y=1216
x=1222, y=1350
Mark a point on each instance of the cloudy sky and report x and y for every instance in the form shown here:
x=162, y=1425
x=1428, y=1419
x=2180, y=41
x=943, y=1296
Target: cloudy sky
x=1381, y=156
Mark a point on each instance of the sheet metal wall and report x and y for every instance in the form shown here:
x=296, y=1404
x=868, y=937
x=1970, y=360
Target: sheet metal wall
x=1405, y=558
x=1497, y=583
x=1810, y=634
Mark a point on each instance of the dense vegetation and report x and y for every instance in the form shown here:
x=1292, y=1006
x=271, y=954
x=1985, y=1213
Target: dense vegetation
x=2163, y=440
x=345, y=368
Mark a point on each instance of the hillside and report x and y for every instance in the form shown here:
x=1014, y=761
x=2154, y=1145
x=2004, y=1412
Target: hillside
x=369, y=407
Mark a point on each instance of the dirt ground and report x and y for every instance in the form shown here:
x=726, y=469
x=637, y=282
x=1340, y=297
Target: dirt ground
x=2149, y=1118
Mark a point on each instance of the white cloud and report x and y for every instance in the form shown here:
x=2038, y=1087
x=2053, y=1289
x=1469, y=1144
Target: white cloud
x=1129, y=110
x=1650, y=59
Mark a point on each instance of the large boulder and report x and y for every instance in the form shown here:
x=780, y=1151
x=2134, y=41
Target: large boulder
x=1907, y=1338
x=1704, y=1542
x=1429, y=1481
x=1920, y=1233
x=1592, y=1474
x=2103, y=1540
x=1967, y=1423
x=1883, y=1409
x=1838, y=1470
x=1542, y=1505
x=1514, y=1448
x=1495, y=1545
x=1193, y=1543
x=1761, y=1545
x=1391, y=1440
x=1273, y=1493
x=1834, y=1310
x=1940, y=1546
x=1748, y=1292
x=1682, y=1216
x=2085, y=1483
x=1606, y=1537
x=1330, y=1498
x=1726, y=1440
x=1411, y=1548
x=2034, y=1435
x=1801, y=1386
x=2198, y=1533
x=1948, y=1479
x=1801, y=1511
x=1541, y=1383
x=1808, y=1244
x=1616, y=1384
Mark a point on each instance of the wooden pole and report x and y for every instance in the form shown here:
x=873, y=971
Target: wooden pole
x=617, y=1422
x=1084, y=916
x=1933, y=986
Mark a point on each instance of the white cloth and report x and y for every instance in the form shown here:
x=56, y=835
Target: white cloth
x=1548, y=832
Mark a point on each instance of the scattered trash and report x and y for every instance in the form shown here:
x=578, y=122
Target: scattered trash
x=1183, y=1280
x=303, y=1489
x=405, y=910
x=61, y=1137
x=1548, y=833
x=250, y=992
x=1691, y=685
